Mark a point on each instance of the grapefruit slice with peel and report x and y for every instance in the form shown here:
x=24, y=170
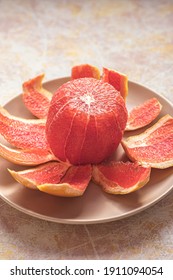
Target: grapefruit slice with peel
x=74, y=182
x=26, y=157
x=85, y=71
x=35, y=97
x=121, y=177
x=23, y=133
x=50, y=173
x=143, y=114
x=118, y=80
x=92, y=125
x=154, y=146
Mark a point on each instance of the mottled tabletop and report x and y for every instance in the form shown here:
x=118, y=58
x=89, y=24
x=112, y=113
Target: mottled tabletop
x=135, y=37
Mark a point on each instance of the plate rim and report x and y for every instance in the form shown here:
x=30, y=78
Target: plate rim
x=82, y=222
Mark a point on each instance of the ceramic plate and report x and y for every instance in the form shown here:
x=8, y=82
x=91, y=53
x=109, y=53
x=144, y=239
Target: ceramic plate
x=94, y=206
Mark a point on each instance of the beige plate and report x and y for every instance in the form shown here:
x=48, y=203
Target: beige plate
x=94, y=206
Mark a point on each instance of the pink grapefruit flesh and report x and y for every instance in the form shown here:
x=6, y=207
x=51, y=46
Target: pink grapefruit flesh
x=26, y=157
x=121, y=178
x=23, y=133
x=118, y=80
x=143, y=114
x=49, y=173
x=154, y=146
x=85, y=71
x=74, y=182
x=36, y=98
x=84, y=123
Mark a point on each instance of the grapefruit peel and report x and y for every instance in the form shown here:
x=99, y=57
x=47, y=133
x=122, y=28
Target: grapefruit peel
x=74, y=182
x=120, y=177
x=118, y=80
x=28, y=157
x=51, y=172
x=35, y=97
x=154, y=146
x=85, y=71
x=143, y=114
x=23, y=133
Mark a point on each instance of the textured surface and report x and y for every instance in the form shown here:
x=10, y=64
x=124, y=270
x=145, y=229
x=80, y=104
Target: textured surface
x=135, y=37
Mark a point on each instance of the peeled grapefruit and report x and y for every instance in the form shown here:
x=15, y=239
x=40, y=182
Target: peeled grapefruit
x=84, y=71
x=121, y=177
x=50, y=173
x=23, y=133
x=36, y=98
x=74, y=182
x=118, y=80
x=154, y=146
x=143, y=114
x=86, y=121
x=26, y=157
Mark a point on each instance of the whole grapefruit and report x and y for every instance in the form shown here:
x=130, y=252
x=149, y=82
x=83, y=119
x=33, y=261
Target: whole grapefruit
x=86, y=121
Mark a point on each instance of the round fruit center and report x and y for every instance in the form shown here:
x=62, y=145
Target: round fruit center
x=87, y=99
x=85, y=122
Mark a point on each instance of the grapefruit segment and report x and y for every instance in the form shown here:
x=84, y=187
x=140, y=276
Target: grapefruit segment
x=26, y=157
x=74, y=182
x=50, y=173
x=36, y=98
x=73, y=143
x=87, y=127
x=23, y=133
x=118, y=80
x=85, y=71
x=120, y=111
x=143, y=114
x=154, y=146
x=119, y=177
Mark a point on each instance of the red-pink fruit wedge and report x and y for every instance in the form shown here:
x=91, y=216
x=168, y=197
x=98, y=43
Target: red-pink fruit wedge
x=36, y=98
x=85, y=71
x=22, y=133
x=86, y=121
x=120, y=177
x=74, y=182
x=118, y=80
x=154, y=146
x=143, y=114
x=26, y=157
x=48, y=173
